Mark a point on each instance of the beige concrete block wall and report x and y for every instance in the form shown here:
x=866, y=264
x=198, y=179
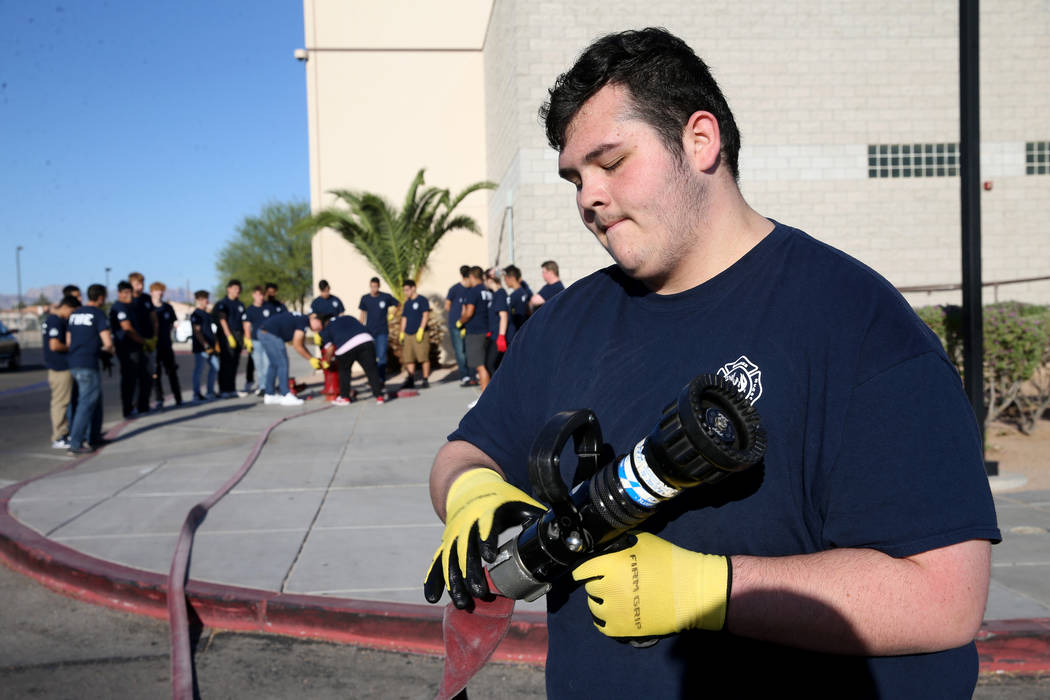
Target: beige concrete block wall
x=811, y=85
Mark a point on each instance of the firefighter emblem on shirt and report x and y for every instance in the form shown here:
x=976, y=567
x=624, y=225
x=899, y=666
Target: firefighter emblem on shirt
x=745, y=376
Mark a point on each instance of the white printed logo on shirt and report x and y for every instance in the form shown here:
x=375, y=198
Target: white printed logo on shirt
x=382, y=304
x=745, y=376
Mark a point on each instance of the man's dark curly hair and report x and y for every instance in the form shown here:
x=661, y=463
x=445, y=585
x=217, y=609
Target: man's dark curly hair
x=667, y=83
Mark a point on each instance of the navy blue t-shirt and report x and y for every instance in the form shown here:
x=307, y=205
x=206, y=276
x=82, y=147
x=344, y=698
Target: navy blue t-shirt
x=141, y=318
x=165, y=322
x=331, y=306
x=276, y=307
x=455, y=299
x=341, y=330
x=284, y=325
x=84, y=325
x=120, y=312
x=499, y=303
x=201, y=319
x=548, y=291
x=480, y=297
x=412, y=311
x=257, y=315
x=376, y=308
x=518, y=304
x=233, y=311
x=54, y=327
x=871, y=444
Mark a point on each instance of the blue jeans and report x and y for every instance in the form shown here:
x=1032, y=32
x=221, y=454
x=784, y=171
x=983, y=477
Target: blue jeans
x=277, y=370
x=199, y=360
x=381, y=343
x=460, y=350
x=87, y=418
x=262, y=362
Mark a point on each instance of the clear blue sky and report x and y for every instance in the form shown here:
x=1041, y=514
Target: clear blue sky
x=137, y=134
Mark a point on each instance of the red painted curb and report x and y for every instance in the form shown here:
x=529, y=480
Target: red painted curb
x=1014, y=646
x=379, y=625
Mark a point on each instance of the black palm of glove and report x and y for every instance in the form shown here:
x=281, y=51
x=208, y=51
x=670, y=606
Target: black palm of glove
x=480, y=505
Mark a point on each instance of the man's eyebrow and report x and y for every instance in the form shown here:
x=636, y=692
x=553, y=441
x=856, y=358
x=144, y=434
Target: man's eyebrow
x=594, y=154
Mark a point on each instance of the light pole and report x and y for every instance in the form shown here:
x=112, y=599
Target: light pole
x=107, y=280
x=18, y=274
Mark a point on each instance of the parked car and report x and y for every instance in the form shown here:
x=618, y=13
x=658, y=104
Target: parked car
x=10, y=352
x=183, y=331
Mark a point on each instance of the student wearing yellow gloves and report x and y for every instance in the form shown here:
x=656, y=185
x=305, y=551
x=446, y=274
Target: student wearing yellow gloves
x=278, y=329
x=229, y=316
x=415, y=346
x=854, y=560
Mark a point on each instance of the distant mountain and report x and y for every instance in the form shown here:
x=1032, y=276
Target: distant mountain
x=53, y=293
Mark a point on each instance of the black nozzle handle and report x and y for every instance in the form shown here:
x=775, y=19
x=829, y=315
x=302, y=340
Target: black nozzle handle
x=545, y=455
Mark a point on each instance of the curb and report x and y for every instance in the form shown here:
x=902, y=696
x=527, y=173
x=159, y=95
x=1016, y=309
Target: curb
x=402, y=627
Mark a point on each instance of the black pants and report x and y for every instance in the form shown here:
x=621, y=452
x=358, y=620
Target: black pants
x=134, y=379
x=228, y=359
x=365, y=355
x=249, y=371
x=166, y=364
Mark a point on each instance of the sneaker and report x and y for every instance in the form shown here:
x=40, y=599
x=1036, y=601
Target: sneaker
x=242, y=394
x=290, y=400
x=464, y=381
x=410, y=383
x=228, y=395
x=473, y=403
x=159, y=405
x=82, y=450
x=271, y=399
x=260, y=392
x=211, y=397
x=340, y=401
x=62, y=444
x=380, y=400
x=425, y=384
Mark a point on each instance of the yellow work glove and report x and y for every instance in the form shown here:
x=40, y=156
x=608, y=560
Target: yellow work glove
x=419, y=335
x=150, y=344
x=317, y=339
x=401, y=337
x=462, y=329
x=654, y=588
x=480, y=505
x=232, y=341
x=325, y=364
x=248, y=343
x=315, y=363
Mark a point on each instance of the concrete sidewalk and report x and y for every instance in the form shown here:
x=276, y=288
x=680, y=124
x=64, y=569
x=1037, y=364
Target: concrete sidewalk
x=336, y=513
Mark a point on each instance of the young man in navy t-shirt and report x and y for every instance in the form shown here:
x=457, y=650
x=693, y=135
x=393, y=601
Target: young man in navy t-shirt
x=327, y=303
x=415, y=346
x=453, y=310
x=853, y=561
x=255, y=315
x=518, y=296
x=552, y=286
x=277, y=330
x=344, y=340
x=90, y=343
x=229, y=317
x=130, y=350
x=59, y=378
x=165, y=353
x=475, y=322
x=375, y=309
x=501, y=332
x=205, y=348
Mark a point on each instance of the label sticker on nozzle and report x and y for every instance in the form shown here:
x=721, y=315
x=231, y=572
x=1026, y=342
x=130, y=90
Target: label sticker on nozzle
x=633, y=487
x=650, y=479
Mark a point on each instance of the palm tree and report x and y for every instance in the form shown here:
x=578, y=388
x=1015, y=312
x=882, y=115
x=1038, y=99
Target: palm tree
x=397, y=243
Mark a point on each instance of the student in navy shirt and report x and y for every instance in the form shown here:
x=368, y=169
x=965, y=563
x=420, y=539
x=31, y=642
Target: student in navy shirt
x=454, y=308
x=229, y=317
x=59, y=379
x=271, y=299
x=327, y=303
x=144, y=318
x=517, y=297
x=375, y=309
x=255, y=315
x=346, y=341
x=165, y=352
x=277, y=330
x=89, y=342
x=853, y=560
x=549, y=271
x=134, y=373
x=501, y=331
x=415, y=346
x=475, y=321
x=205, y=347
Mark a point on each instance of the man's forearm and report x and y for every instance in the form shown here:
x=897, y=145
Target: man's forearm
x=861, y=601
x=451, y=461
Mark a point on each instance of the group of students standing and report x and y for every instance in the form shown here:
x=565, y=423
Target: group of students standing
x=483, y=316
x=79, y=340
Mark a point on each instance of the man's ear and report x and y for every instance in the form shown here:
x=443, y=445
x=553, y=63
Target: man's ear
x=702, y=141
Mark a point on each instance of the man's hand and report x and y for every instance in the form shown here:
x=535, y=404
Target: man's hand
x=317, y=340
x=419, y=335
x=653, y=588
x=150, y=344
x=232, y=341
x=401, y=337
x=480, y=505
x=501, y=343
x=461, y=328
x=248, y=343
x=315, y=363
